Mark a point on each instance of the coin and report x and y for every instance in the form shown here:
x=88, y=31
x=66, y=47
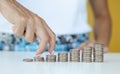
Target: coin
x=98, y=45
x=98, y=53
x=87, y=54
x=75, y=55
x=39, y=59
x=28, y=60
x=62, y=57
x=51, y=58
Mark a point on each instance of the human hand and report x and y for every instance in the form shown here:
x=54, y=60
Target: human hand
x=41, y=30
x=91, y=44
x=39, y=21
x=45, y=34
x=30, y=26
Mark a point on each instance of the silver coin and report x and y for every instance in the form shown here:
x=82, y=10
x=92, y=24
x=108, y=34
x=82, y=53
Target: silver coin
x=98, y=45
x=50, y=58
x=28, y=60
x=39, y=59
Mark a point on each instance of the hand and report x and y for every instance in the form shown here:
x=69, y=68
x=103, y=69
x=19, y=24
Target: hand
x=42, y=30
x=45, y=34
x=91, y=44
x=39, y=29
x=30, y=26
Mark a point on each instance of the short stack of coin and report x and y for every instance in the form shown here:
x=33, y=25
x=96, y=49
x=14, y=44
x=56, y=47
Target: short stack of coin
x=50, y=58
x=39, y=59
x=62, y=57
x=98, y=52
x=27, y=60
x=87, y=54
x=74, y=55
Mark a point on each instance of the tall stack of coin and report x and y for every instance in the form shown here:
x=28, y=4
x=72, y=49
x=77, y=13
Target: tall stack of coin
x=39, y=59
x=50, y=58
x=87, y=54
x=74, y=55
x=98, y=52
x=62, y=57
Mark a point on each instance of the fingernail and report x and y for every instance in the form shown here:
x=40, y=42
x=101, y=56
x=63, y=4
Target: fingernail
x=38, y=54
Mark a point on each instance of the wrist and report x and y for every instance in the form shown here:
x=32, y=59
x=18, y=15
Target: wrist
x=2, y=2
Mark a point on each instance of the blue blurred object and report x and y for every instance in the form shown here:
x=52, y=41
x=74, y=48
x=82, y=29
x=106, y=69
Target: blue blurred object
x=63, y=42
x=32, y=47
x=1, y=46
x=20, y=47
x=12, y=47
x=61, y=47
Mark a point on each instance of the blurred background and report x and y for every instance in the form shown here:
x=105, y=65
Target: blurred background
x=114, y=8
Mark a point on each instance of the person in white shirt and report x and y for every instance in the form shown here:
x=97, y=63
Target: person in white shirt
x=67, y=18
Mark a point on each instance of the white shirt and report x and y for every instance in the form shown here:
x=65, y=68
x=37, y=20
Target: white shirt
x=62, y=16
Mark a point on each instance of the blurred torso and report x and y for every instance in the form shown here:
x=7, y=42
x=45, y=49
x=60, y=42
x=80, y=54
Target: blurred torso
x=63, y=16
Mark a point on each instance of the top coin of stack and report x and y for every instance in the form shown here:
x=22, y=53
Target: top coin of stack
x=98, y=52
x=51, y=58
x=87, y=54
x=75, y=55
x=98, y=45
x=39, y=59
x=62, y=57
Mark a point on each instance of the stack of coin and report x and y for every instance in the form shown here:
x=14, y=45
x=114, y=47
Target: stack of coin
x=62, y=57
x=87, y=54
x=74, y=55
x=98, y=52
x=27, y=60
x=39, y=59
x=50, y=58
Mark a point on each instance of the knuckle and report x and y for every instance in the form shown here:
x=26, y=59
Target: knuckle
x=30, y=22
x=28, y=39
x=18, y=34
x=19, y=20
x=53, y=36
x=23, y=18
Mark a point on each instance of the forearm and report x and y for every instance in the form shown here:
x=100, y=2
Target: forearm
x=22, y=8
x=2, y=2
x=102, y=30
x=27, y=11
x=10, y=12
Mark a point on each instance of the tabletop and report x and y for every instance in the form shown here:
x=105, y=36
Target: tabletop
x=12, y=63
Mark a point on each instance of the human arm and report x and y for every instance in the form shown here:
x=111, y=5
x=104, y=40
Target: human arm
x=102, y=25
x=38, y=27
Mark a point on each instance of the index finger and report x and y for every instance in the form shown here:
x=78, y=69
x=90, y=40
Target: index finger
x=41, y=48
x=52, y=41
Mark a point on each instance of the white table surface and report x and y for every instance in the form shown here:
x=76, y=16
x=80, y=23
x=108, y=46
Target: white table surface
x=11, y=63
